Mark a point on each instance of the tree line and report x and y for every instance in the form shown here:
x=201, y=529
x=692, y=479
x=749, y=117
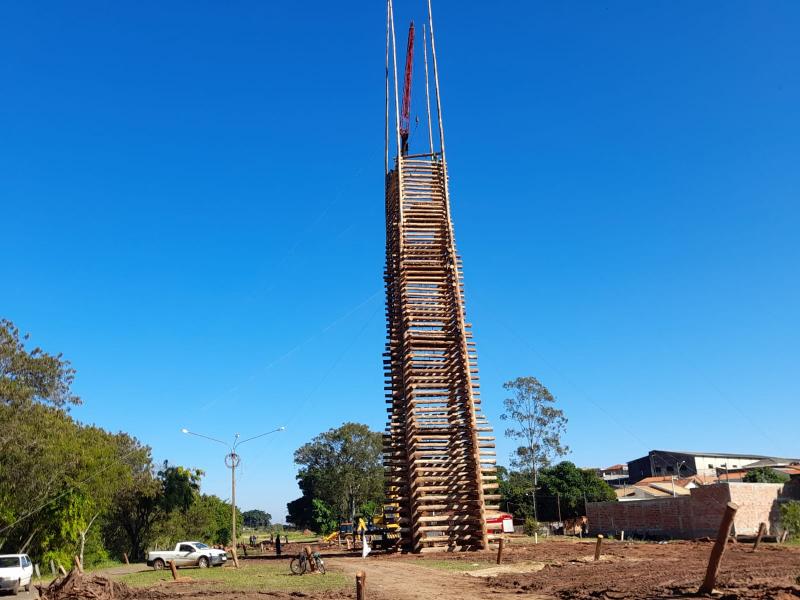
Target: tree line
x=67, y=488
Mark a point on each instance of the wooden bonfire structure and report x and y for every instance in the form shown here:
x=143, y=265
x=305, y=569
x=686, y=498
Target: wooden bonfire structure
x=438, y=451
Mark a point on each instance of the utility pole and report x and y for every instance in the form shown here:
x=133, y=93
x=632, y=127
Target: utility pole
x=558, y=500
x=232, y=460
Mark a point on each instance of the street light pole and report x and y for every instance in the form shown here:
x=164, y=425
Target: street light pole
x=232, y=460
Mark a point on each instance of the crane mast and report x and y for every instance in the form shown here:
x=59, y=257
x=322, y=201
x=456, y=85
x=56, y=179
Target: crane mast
x=405, y=116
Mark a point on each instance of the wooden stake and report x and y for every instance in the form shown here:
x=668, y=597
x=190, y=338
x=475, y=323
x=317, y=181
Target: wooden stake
x=62, y=570
x=361, y=586
x=784, y=535
x=174, y=570
x=762, y=529
x=52, y=568
x=622, y=536
x=78, y=564
x=309, y=558
x=125, y=558
x=499, y=550
x=718, y=550
x=597, y=547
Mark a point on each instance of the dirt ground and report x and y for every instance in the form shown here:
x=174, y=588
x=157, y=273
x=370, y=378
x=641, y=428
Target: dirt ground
x=552, y=570
x=566, y=570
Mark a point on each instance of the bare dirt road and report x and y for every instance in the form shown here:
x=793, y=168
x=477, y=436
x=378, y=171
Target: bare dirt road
x=566, y=570
x=400, y=579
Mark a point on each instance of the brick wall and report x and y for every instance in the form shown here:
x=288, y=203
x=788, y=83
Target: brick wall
x=757, y=504
x=693, y=516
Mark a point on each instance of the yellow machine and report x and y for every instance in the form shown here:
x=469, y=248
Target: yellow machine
x=382, y=529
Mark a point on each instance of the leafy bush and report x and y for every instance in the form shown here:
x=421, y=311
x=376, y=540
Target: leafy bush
x=765, y=475
x=59, y=557
x=790, y=517
x=324, y=521
x=531, y=526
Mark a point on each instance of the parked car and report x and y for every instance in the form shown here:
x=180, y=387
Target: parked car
x=187, y=554
x=16, y=571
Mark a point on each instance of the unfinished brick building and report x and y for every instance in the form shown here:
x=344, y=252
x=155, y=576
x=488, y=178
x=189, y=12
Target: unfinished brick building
x=698, y=514
x=438, y=450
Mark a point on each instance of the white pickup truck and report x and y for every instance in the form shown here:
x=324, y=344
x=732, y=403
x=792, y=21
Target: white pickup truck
x=187, y=554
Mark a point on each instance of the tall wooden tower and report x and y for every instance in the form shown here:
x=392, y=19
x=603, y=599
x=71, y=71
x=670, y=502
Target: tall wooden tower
x=438, y=451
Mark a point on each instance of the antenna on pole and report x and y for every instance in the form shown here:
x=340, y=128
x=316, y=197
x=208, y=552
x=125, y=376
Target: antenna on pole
x=436, y=79
x=386, y=138
x=396, y=91
x=427, y=87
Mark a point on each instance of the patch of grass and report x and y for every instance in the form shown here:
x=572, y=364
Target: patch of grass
x=793, y=541
x=454, y=565
x=272, y=575
x=106, y=564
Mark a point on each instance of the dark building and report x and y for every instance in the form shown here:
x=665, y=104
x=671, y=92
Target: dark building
x=684, y=464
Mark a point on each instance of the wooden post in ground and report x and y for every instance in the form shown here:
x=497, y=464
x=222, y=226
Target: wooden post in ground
x=718, y=550
x=62, y=570
x=622, y=536
x=125, y=558
x=52, y=567
x=499, y=550
x=598, y=547
x=762, y=529
x=784, y=535
x=174, y=570
x=361, y=586
x=235, y=558
x=309, y=558
x=78, y=564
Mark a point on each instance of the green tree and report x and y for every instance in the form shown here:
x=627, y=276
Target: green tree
x=300, y=511
x=324, y=519
x=32, y=376
x=515, y=492
x=257, y=519
x=765, y=475
x=566, y=485
x=68, y=488
x=179, y=487
x=135, y=512
x=58, y=479
x=208, y=519
x=537, y=423
x=343, y=468
x=790, y=517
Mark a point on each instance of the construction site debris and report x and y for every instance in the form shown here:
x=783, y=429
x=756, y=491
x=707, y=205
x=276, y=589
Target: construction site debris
x=77, y=586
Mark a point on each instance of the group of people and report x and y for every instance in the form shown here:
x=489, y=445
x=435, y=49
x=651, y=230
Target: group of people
x=273, y=539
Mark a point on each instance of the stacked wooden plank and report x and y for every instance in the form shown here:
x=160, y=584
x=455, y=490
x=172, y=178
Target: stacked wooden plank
x=438, y=451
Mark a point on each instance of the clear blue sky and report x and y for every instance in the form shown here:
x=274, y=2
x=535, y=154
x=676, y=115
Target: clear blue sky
x=191, y=208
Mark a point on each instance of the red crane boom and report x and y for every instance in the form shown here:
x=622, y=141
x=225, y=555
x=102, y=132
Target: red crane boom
x=405, y=116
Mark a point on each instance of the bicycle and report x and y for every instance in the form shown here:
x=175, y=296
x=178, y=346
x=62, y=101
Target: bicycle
x=299, y=563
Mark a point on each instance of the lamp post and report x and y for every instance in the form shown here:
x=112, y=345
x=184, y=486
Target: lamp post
x=232, y=460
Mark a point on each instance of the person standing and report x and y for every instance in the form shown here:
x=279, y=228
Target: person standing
x=278, y=545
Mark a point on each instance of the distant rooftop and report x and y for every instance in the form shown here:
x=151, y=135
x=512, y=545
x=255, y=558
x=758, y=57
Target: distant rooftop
x=726, y=455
